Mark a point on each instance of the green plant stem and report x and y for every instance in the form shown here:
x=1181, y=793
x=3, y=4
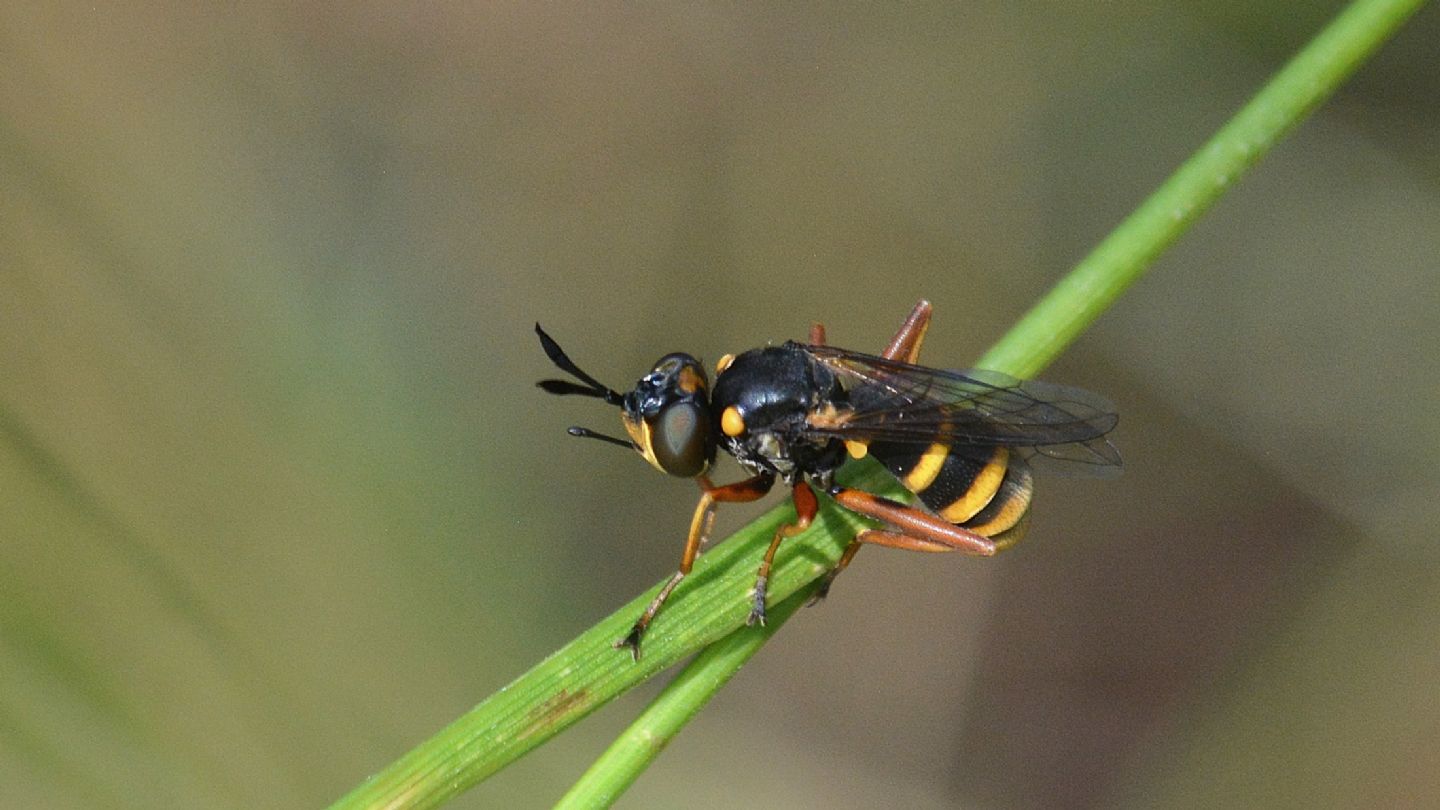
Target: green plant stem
x=683, y=698
x=714, y=601
x=1054, y=322
x=1094, y=284
x=588, y=672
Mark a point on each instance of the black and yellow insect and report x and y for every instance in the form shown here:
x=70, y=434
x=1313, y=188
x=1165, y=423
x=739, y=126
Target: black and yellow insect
x=963, y=442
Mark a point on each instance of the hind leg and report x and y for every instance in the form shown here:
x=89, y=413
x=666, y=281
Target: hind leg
x=905, y=347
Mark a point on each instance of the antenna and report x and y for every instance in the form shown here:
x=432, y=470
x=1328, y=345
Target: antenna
x=592, y=387
x=587, y=433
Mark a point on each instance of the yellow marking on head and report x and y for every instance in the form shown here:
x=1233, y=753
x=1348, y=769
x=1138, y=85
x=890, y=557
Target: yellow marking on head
x=981, y=490
x=731, y=422
x=857, y=448
x=927, y=468
x=689, y=380
x=640, y=435
x=723, y=363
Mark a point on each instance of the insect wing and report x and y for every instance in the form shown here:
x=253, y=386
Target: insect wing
x=899, y=402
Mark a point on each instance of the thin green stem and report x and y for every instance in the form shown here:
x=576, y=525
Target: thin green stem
x=683, y=698
x=714, y=600
x=588, y=672
x=1094, y=284
x=1056, y=320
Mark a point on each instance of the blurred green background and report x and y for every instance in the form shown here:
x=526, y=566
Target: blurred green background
x=280, y=499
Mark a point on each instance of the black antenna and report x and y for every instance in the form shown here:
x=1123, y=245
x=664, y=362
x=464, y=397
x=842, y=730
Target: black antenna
x=592, y=387
x=587, y=433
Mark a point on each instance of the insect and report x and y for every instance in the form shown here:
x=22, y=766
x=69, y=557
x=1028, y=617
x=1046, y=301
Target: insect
x=963, y=441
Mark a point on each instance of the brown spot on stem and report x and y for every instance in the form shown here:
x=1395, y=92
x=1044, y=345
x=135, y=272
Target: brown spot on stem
x=558, y=711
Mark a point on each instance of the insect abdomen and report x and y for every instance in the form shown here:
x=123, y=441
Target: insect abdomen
x=989, y=495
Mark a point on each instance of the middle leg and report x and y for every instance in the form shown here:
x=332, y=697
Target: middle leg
x=806, y=506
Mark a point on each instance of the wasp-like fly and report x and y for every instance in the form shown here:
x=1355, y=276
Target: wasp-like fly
x=962, y=441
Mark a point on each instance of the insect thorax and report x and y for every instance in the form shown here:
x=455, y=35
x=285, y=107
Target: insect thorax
x=773, y=391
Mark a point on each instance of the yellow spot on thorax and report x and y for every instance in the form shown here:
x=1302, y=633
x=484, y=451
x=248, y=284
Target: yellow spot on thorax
x=732, y=422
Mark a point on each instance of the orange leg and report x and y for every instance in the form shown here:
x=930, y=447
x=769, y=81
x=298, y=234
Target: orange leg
x=817, y=334
x=905, y=346
x=805, y=508
x=748, y=490
x=918, y=530
x=850, y=552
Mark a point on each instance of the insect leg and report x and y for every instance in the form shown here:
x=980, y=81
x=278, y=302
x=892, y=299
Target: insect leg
x=805, y=508
x=817, y=334
x=905, y=347
x=748, y=490
x=918, y=530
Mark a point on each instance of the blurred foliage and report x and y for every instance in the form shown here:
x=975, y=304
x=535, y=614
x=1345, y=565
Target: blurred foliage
x=281, y=499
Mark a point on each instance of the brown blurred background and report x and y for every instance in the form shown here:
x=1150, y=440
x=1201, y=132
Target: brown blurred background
x=280, y=499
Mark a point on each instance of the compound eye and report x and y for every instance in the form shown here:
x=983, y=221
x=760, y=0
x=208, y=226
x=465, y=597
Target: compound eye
x=680, y=439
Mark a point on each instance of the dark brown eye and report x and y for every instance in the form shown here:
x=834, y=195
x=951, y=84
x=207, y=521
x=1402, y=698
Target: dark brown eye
x=680, y=439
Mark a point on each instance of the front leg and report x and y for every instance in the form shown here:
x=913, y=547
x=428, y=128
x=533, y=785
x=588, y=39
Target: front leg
x=748, y=490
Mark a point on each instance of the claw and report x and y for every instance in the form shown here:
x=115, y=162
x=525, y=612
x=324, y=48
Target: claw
x=631, y=641
x=823, y=591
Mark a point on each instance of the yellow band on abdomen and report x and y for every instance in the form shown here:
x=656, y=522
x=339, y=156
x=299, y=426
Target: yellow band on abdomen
x=927, y=468
x=981, y=490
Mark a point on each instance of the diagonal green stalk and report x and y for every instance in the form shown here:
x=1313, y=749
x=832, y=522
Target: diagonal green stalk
x=1309, y=78
x=588, y=672
x=715, y=599
x=1050, y=326
x=683, y=698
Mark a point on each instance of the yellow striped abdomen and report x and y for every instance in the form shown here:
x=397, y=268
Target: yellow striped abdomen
x=987, y=492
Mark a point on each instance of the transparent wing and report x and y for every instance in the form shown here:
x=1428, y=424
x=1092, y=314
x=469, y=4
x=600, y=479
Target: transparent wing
x=899, y=402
